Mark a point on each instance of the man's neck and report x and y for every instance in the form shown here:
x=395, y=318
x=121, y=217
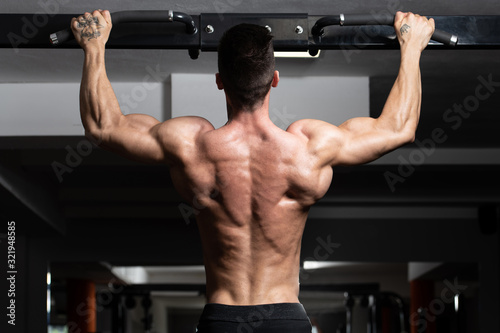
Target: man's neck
x=257, y=119
x=259, y=116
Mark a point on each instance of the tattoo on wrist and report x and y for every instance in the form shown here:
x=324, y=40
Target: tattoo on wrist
x=404, y=29
x=90, y=27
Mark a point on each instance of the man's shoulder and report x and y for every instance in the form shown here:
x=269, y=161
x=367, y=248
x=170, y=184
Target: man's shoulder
x=185, y=127
x=180, y=136
x=308, y=127
x=191, y=122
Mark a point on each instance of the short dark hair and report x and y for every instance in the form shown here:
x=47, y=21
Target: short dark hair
x=246, y=64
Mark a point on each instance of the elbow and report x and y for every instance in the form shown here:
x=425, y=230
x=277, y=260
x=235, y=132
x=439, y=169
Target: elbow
x=95, y=136
x=98, y=133
x=402, y=136
x=406, y=132
x=408, y=136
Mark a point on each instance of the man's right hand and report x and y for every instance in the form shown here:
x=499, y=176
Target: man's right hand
x=92, y=30
x=413, y=30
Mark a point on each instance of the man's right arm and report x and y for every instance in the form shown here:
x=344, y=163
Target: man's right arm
x=136, y=136
x=361, y=140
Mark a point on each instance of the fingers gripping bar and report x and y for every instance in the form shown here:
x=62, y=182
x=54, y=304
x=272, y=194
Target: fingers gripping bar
x=369, y=19
x=66, y=35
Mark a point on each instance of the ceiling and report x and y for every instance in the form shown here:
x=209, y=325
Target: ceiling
x=48, y=65
x=107, y=193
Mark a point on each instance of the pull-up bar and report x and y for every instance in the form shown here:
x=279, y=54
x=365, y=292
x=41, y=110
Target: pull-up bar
x=317, y=30
x=292, y=32
x=374, y=19
x=131, y=16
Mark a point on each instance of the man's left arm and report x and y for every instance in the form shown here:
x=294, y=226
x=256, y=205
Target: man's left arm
x=364, y=139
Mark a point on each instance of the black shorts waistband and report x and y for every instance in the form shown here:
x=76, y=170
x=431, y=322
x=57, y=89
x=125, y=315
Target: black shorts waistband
x=249, y=313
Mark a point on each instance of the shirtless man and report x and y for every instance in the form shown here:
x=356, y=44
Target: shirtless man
x=256, y=181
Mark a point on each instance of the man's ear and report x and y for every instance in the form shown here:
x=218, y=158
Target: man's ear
x=276, y=79
x=218, y=81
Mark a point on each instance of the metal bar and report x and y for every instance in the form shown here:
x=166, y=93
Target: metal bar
x=473, y=32
x=394, y=212
x=290, y=31
x=357, y=288
x=33, y=31
x=25, y=31
x=135, y=16
x=373, y=19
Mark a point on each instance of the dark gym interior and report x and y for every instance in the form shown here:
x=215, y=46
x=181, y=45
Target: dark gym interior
x=409, y=243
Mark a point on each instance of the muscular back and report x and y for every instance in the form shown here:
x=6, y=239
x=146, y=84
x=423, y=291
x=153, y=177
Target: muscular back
x=254, y=186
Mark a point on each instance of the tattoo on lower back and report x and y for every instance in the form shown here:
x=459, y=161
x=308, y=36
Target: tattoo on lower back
x=90, y=27
x=404, y=29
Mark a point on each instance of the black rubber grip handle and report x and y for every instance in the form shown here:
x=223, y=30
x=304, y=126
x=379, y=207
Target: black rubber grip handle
x=368, y=19
x=131, y=16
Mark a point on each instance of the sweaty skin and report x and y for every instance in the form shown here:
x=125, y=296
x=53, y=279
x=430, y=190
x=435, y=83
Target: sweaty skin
x=251, y=183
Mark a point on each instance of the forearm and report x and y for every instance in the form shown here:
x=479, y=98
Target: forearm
x=402, y=109
x=99, y=108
